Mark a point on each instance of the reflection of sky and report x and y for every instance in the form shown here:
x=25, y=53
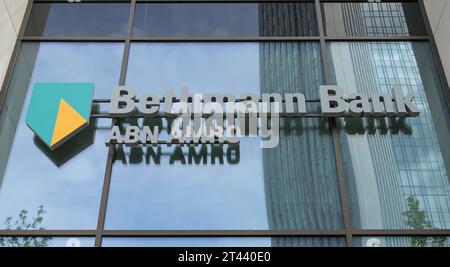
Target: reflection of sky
x=82, y=19
x=204, y=68
x=61, y=241
x=191, y=197
x=188, y=242
x=177, y=196
x=71, y=242
x=196, y=20
x=70, y=193
x=74, y=62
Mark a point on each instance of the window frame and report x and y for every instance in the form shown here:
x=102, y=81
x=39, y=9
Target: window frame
x=348, y=232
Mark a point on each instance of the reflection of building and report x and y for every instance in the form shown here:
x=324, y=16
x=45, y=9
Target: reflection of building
x=287, y=19
x=383, y=170
x=372, y=174
x=300, y=174
x=375, y=19
x=267, y=46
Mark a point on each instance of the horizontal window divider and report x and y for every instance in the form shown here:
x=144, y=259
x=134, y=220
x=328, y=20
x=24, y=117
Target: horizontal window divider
x=85, y=1
x=218, y=233
x=376, y=38
x=215, y=1
x=175, y=1
x=221, y=233
x=221, y=1
x=224, y=39
x=406, y=232
x=53, y=233
x=71, y=39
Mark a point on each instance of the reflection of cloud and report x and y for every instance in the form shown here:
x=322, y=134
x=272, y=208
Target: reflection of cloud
x=70, y=193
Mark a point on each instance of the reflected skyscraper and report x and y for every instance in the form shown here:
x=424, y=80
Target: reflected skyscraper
x=300, y=174
x=384, y=170
x=372, y=19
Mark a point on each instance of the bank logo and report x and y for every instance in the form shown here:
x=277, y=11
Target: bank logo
x=58, y=111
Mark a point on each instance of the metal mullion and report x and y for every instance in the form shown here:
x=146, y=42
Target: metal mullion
x=105, y=193
x=71, y=39
x=221, y=1
x=377, y=38
x=404, y=232
x=342, y=182
x=227, y=39
x=49, y=233
x=335, y=135
x=220, y=233
x=224, y=233
x=108, y=170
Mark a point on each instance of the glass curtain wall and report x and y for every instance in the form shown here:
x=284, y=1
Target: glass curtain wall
x=395, y=170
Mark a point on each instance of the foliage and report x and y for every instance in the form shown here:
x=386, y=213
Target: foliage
x=22, y=224
x=417, y=219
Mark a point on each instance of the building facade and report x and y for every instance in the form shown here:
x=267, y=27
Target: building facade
x=345, y=181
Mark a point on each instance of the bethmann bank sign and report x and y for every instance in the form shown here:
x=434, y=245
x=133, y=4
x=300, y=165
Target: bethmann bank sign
x=223, y=118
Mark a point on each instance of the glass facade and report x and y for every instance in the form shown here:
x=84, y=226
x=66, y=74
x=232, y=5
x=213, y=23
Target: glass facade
x=403, y=241
x=67, y=182
x=327, y=178
x=373, y=19
x=223, y=242
x=18, y=241
x=82, y=19
x=397, y=171
x=225, y=20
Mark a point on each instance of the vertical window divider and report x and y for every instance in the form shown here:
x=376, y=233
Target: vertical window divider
x=335, y=134
x=109, y=163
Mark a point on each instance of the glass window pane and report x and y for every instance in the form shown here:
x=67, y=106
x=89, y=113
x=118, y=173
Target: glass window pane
x=373, y=19
x=78, y=19
x=66, y=182
x=226, y=67
x=224, y=20
x=224, y=242
x=396, y=169
x=47, y=241
x=402, y=241
x=293, y=186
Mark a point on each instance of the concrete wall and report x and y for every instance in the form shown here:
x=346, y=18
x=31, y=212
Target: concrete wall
x=11, y=16
x=438, y=12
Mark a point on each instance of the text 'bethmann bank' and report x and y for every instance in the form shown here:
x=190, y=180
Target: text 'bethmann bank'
x=221, y=118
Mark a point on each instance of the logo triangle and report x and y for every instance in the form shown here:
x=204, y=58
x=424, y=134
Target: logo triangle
x=68, y=122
